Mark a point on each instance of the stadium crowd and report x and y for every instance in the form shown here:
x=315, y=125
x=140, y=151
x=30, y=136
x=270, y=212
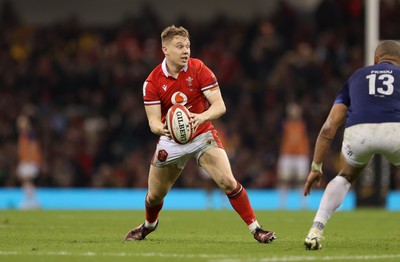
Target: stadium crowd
x=84, y=85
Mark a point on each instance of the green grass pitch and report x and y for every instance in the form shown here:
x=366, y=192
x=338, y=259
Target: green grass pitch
x=217, y=236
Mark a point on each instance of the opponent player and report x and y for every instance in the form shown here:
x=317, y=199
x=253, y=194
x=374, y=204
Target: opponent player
x=180, y=79
x=369, y=104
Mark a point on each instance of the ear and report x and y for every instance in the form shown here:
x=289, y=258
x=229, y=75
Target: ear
x=164, y=49
x=376, y=59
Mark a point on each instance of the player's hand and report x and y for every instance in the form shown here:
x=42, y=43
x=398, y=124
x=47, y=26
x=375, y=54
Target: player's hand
x=165, y=131
x=314, y=176
x=196, y=120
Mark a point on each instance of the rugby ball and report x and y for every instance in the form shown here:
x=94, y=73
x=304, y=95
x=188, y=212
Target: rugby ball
x=178, y=118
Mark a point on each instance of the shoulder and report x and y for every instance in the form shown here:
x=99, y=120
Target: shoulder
x=155, y=75
x=152, y=81
x=361, y=73
x=198, y=67
x=364, y=70
x=196, y=63
x=377, y=68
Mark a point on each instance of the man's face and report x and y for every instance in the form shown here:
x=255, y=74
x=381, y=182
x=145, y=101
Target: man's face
x=177, y=51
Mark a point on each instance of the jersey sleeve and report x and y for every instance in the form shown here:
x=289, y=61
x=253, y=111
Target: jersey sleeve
x=207, y=79
x=150, y=95
x=344, y=96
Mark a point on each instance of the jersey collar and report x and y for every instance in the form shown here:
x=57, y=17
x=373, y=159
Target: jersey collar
x=165, y=71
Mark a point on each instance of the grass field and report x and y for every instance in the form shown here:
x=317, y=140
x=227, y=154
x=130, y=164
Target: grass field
x=219, y=236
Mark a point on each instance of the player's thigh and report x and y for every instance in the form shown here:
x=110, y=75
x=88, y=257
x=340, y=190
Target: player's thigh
x=216, y=163
x=349, y=171
x=161, y=180
x=390, y=147
x=361, y=142
x=359, y=145
x=168, y=153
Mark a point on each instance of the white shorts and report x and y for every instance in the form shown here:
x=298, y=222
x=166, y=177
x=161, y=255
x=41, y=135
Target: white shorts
x=293, y=167
x=27, y=170
x=361, y=142
x=168, y=152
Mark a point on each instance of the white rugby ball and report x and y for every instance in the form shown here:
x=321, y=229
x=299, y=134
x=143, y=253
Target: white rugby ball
x=178, y=118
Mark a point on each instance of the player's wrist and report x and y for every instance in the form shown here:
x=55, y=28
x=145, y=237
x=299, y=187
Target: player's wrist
x=316, y=167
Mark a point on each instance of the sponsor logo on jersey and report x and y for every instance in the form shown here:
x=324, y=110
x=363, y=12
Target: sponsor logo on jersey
x=179, y=98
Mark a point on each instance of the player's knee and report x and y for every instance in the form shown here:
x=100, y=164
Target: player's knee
x=227, y=185
x=348, y=177
x=154, y=199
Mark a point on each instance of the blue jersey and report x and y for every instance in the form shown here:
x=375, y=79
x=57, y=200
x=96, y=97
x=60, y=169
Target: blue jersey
x=372, y=95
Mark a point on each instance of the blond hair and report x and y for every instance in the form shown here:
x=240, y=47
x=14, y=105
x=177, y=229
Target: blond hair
x=171, y=31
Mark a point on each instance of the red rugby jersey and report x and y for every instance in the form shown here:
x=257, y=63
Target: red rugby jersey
x=160, y=88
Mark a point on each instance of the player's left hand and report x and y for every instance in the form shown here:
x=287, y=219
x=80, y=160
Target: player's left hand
x=196, y=120
x=314, y=176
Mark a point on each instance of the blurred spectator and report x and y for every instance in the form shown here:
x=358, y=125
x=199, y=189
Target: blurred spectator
x=30, y=157
x=294, y=157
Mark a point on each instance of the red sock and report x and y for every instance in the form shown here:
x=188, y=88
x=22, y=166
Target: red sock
x=240, y=202
x=152, y=211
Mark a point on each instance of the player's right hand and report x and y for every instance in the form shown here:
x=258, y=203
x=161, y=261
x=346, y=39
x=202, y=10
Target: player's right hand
x=165, y=131
x=314, y=176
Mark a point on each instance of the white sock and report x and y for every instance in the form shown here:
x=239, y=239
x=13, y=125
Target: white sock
x=253, y=226
x=333, y=196
x=150, y=225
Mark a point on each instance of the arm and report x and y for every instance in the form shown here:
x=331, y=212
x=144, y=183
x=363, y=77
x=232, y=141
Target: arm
x=153, y=113
x=217, y=108
x=335, y=119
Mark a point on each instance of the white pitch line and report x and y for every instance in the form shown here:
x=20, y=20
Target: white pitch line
x=210, y=258
x=311, y=258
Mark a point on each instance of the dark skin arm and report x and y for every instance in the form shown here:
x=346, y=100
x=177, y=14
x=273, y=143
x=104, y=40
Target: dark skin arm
x=335, y=119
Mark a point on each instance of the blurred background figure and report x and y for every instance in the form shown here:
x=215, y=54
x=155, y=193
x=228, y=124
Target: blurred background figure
x=30, y=159
x=294, y=157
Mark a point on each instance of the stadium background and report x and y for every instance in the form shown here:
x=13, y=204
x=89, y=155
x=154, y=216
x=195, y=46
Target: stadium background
x=83, y=63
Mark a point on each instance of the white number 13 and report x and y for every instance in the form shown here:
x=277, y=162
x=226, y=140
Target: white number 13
x=387, y=81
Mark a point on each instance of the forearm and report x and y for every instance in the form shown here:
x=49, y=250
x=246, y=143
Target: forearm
x=328, y=131
x=156, y=127
x=153, y=113
x=322, y=146
x=215, y=111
